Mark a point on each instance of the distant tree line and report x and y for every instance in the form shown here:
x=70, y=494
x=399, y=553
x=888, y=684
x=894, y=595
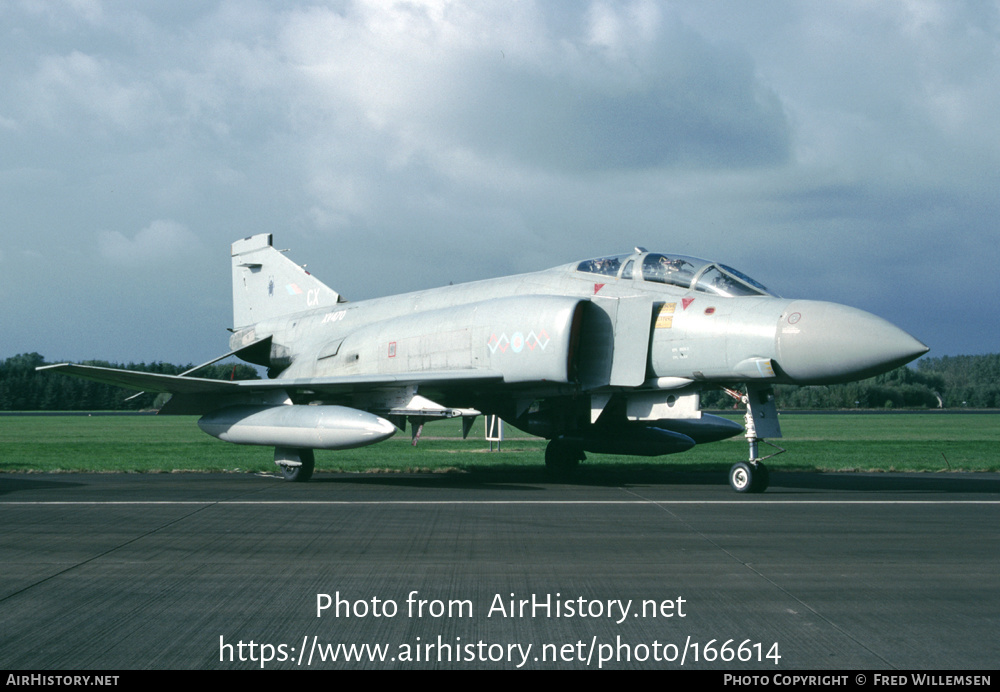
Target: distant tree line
x=948, y=381
x=24, y=389
x=970, y=381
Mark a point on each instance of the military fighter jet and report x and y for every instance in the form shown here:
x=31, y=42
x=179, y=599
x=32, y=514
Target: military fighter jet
x=609, y=355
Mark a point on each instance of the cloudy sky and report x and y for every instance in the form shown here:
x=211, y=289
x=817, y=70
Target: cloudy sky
x=845, y=151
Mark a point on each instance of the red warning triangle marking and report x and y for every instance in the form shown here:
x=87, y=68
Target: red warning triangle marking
x=686, y=302
x=598, y=287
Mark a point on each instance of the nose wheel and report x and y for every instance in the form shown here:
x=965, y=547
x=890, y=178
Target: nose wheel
x=749, y=477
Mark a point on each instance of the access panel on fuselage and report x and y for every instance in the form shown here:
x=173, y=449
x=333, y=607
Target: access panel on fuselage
x=525, y=338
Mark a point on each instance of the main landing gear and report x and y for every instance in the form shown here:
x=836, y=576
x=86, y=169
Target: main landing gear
x=562, y=457
x=296, y=464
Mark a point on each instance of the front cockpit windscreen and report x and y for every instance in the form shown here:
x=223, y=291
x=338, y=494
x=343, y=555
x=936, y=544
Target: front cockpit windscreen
x=726, y=281
x=677, y=270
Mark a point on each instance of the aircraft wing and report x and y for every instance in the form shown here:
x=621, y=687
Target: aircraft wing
x=179, y=384
x=345, y=383
x=147, y=381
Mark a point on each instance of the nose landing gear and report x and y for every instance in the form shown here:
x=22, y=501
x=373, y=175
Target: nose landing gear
x=761, y=418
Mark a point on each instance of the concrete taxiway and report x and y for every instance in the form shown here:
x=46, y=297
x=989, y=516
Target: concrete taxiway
x=499, y=570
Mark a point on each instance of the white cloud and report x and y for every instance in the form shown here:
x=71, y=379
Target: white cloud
x=69, y=87
x=625, y=91
x=160, y=242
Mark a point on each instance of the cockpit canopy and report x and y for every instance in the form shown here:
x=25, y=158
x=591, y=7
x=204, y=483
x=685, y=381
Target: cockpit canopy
x=676, y=270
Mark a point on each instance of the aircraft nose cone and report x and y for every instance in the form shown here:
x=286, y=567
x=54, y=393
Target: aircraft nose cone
x=820, y=343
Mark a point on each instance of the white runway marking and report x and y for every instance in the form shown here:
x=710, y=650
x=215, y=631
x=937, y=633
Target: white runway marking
x=497, y=502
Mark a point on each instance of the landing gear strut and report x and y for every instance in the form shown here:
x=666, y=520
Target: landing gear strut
x=752, y=476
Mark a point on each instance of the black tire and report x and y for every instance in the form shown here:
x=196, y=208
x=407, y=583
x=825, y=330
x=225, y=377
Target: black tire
x=741, y=477
x=745, y=477
x=562, y=458
x=761, y=479
x=302, y=473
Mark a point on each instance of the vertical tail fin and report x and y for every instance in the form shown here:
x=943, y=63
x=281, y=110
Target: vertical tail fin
x=267, y=284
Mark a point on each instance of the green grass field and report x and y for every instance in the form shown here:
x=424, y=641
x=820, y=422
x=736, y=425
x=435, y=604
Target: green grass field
x=846, y=442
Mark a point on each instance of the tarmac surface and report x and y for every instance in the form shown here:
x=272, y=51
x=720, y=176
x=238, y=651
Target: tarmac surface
x=499, y=570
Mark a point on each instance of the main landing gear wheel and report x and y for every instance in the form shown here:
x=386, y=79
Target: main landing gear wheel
x=295, y=472
x=561, y=457
x=745, y=477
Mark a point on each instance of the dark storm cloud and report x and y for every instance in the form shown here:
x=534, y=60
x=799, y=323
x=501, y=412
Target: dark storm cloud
x=684, y=105
x=833, y=150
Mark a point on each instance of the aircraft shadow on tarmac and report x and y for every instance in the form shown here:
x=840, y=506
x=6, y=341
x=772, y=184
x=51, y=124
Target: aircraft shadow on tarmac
x=19, y=484
x=597, y=475
x=592, y=475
